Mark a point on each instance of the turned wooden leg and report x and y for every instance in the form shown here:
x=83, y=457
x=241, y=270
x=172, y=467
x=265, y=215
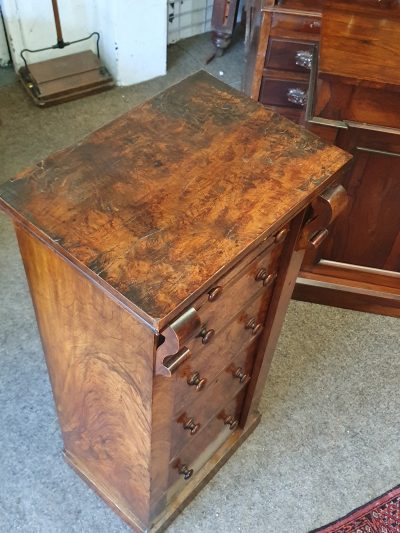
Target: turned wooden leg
x=222, y=23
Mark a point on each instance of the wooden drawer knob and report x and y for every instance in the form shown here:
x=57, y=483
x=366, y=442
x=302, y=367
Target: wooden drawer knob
x=240, y=375
x=206, y=335
x=186, y=472
x=232, y=422
x=267, y=279
x=214, y=294
x=252, y=324
x=281, y=235
x=196, y=381
x=191, y=426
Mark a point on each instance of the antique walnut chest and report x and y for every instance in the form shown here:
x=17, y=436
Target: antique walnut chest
x=161, y=253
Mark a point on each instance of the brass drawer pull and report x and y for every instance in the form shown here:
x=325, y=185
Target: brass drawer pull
x=186, y=472
x=232, y=422
x=195, y=379
x=303, y=58
x=206, y=335
x=214, y=294
x=252, y=324
x=191, y=426
x=240, y=375
x=267, y=279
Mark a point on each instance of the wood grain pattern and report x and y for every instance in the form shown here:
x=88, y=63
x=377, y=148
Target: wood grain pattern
x=100, y=364
x=357, y=41
x=125, y=203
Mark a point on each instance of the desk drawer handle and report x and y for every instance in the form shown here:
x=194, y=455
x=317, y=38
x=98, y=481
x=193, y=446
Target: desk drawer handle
x=232, y=422
x=214, y=294
x=303, y=58
x=267, y=279
x=252, y=324
x=186, y=472
x=297, y=96
x=191, y=426
x=240, y=375
x=195, y=380
x=206, y=335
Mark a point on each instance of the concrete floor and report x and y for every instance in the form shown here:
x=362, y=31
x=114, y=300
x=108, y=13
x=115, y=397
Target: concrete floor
x=329, y=437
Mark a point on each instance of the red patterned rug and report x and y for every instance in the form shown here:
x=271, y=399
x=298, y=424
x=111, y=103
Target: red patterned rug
x=381, y=515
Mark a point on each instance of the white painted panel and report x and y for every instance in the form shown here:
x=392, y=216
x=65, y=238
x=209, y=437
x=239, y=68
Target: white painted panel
x=133, y=33
x=4, y=55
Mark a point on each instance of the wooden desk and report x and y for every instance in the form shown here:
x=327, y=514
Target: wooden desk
x=161, y=253
x=334, y=67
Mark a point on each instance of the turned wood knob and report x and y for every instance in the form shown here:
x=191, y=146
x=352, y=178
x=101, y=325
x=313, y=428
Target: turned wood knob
x=195, y=379
x=232, y=422
x=267, y=279
x=214, y=294
x=186, y=472
x=191, y=426
x=240, y=375
x=281, y=235
x=255, y=328
x=206, y=335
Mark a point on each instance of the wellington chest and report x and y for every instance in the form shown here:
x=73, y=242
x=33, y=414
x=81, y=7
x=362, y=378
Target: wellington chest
x=161, y=253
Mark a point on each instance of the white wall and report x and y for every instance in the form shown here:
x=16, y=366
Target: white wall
x=188, y=17
x=4, y=55
x=133, y=33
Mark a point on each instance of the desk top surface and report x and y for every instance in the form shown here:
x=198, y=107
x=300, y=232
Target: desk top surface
x=159, y=201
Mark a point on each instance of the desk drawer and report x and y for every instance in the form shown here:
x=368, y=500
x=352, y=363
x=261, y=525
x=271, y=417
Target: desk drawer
x=285, y=93
x=301, y=27
x=293, y=56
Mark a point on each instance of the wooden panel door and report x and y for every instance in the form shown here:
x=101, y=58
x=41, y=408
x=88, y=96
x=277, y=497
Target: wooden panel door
x=368, y=234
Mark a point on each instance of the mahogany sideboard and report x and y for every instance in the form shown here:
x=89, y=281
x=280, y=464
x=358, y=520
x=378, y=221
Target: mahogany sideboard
x=161, y=253
x=333, y=66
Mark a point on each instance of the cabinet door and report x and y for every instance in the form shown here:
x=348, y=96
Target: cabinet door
x=368, y=232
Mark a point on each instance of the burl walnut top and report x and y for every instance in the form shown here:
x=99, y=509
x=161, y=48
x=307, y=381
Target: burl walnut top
x=156, y=203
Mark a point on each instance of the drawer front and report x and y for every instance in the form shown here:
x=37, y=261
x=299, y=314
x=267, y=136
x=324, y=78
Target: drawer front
x=237, y=287
x=287, y=93
x=206, y=363
x=196, y=416
x=296, y=27
x=193, y=456
x=293, y=56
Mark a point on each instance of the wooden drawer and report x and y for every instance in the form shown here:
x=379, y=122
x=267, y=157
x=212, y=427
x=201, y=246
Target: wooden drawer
x=226, y=385
x=285, y=93
x=302, y=27
x=199, y=450
x=236, y=288
x=294, y=56
x=209, y=361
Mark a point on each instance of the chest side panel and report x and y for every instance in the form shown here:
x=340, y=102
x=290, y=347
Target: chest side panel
x=100, y=364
